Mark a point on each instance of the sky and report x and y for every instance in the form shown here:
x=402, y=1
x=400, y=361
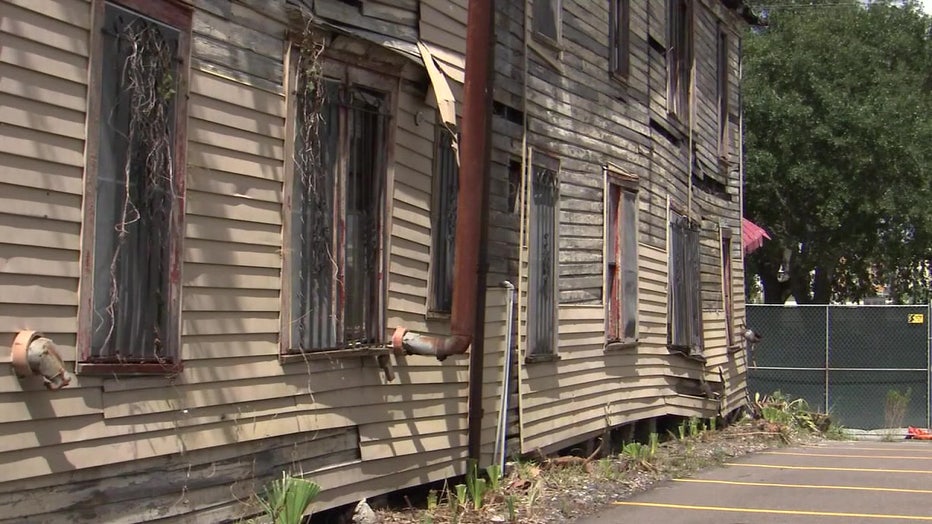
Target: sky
x=927, y=5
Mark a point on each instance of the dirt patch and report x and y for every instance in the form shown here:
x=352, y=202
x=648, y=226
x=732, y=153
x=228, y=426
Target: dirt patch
x=560, y=490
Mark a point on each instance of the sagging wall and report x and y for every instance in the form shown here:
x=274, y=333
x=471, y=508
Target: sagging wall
x=578, y=113
x=197, y=446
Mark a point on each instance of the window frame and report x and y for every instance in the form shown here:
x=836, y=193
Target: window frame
x=693, y=298
x=434, y=309
x=348, y=75
x=178, y=16
x=538, y=159
x=619, y=48
x=679, y=61
x=617, y=184
x=728, y=285
x=557, y=9
x=723, y=90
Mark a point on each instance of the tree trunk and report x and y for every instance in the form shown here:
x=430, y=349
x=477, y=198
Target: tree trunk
x=822, y=286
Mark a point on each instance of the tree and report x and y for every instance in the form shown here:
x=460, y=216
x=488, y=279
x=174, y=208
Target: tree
x=837, y=99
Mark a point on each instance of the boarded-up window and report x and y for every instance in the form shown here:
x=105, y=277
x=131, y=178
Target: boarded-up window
x=679, y=57
x=443, y=226
x=133, y=222
x=337, y=193
x=728, y=287
x=684, y=324
x=547, y=19
x=619, y=36
x=542, y=281
x=621, y=259
x=723, y=91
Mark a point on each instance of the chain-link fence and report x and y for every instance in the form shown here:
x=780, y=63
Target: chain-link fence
x=845, y=359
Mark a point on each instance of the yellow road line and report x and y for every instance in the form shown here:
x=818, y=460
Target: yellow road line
x=898, y=448
x=826, y=468
x=806, y=486
x=773, y=511
x=838, y=455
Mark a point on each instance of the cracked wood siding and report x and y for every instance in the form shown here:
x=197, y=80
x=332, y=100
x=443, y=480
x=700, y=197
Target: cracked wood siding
x=442, y=26
x=234, y=401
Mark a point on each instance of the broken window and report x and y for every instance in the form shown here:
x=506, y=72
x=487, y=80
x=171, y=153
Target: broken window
x=684, y=324
x=619, y=38
x=335, y=228
x=728, y=287
x=546, y=19
x=723, y=92
x=542, y=281
x=679, y=57
x=514, y=185
x=443, y=228
x=134, y=223
x=622, y=263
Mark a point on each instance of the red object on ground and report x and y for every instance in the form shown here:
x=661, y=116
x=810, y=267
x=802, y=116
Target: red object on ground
x=752, y=235
x=918, y=433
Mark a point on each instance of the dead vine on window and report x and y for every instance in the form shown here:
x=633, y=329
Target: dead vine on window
x=136, y=190
x=314, y=183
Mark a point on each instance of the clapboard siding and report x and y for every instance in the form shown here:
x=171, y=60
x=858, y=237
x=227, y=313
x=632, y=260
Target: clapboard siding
x=234, y=401
x=236, y=416
x=43, y=75
x=589, y=119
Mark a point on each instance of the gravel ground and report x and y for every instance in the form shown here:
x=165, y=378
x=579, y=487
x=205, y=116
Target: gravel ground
x=552, y=492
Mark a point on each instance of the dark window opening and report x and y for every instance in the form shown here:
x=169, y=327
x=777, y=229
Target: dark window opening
x=546, y=19
x=723, y=93
x=619, y=36
x=728, y=287
x=684, y=325
x=622, y=271
x=679, y=57
x=542, y=284
x=446, y=187
x=336, y=233
x=138, y=205
x=514, y=185
x=510, y=113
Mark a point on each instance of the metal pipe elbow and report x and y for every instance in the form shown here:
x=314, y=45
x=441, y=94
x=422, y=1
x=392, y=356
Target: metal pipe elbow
x=406, y=342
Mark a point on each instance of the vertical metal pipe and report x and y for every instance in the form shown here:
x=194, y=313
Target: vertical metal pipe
x=502, y=432
x=929, y=365
x=471, y=265
x=827, y=341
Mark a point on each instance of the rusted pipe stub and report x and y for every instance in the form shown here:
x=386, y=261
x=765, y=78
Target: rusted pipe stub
x=19, y=352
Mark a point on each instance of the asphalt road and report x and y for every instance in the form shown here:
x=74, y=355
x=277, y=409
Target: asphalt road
x=832, y=482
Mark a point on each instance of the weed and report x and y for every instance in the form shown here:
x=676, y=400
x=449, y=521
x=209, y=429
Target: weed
x=894, y=411
x=693, y=426
x=287, y=499
x=494, y=471
x=510, y=504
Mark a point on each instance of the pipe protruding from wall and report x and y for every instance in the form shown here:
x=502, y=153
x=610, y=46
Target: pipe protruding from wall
x=410, y=343
x=34, y=354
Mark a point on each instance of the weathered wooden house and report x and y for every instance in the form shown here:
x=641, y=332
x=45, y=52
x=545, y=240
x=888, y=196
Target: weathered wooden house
x=240, y=225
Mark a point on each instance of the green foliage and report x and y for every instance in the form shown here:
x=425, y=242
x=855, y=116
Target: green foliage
x=639, y=455
x=287, y=499
x=895, y=408
x=836, y=99
x=494, y=472
x=511, y=505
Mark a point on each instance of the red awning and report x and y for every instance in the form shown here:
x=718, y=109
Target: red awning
x=752, y=235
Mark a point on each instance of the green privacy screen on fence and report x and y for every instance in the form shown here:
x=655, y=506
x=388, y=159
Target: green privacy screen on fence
x=847, y=358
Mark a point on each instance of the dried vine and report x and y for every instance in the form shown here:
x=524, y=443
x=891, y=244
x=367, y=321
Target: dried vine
x=316, y=207
x=148, y=87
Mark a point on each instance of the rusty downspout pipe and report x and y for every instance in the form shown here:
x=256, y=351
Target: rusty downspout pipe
x=470, y=263
x=471, y=204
